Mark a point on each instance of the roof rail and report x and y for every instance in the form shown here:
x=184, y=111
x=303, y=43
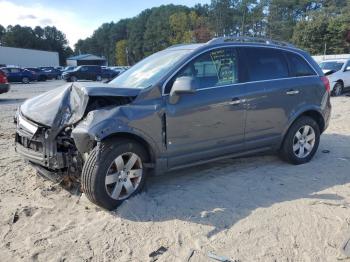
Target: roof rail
x=248, y=39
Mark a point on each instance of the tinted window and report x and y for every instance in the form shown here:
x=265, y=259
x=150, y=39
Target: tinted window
x=265, y=64
x=298, y=65
x=15, y=70
x=214, y=68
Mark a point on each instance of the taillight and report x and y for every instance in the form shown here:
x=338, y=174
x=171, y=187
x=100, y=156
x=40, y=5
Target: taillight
x=326, y=83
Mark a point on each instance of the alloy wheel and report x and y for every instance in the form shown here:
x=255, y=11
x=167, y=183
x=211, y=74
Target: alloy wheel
x=304, y=141
x=124, y=176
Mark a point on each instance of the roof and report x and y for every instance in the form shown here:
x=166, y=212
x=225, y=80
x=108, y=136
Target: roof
x=86, y=57
x=336, y=60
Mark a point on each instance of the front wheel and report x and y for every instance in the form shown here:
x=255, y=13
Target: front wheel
x=73, y=79
x=98, y=78
x=115, y=173
x=301, y=142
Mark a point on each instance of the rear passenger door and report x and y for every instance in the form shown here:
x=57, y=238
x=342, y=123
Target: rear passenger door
x=275, y=84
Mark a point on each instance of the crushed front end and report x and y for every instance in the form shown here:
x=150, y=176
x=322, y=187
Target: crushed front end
x=45, y=125
x=53, y=156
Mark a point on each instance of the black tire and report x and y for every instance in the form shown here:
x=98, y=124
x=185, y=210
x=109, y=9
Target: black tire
x=287, y=152
x=98, y=78
x=338, y=89
x=94, y=171
x=25, y=80
x=73, y=79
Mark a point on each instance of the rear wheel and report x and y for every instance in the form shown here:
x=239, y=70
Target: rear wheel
x=25, y=80
x=301, y=141
x=116, y=175
x=338, y=89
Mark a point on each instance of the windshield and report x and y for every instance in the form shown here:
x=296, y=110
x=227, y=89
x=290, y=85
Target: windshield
x=334, y=65
x=150, y=70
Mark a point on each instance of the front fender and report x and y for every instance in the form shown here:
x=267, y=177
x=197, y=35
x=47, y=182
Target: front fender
x=103, y=123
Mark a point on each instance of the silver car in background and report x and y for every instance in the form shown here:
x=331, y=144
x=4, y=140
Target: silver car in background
x=338, y=73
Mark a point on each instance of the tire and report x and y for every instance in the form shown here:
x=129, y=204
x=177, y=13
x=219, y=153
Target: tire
x=338, y=89
x=73, y=79
x=58, y=77
x=289, y=150
x=98, y=188
x=25, y=80
x=98, y=78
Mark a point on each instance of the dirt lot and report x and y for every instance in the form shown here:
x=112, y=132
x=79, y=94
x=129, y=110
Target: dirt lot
x=249, y=209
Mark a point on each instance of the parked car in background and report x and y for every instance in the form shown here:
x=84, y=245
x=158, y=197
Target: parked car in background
x=119, y=69
x=52, y=73
x=86, y=72
x=185, y=105
x=338, y=73
x=41, y=75
x=4, y=84
x=16, y=74
x=108, y=73
x=68, y=68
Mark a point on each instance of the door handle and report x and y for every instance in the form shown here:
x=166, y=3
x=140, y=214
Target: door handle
x=237, y=101
x=292, y=92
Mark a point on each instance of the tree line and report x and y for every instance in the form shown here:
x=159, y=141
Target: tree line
x=319, y=26
x=47, y=38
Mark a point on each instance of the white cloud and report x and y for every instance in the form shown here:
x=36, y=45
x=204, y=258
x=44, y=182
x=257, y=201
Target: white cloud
x=68, y=22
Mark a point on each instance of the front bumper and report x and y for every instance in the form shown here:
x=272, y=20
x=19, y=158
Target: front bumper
x=34, y=144
x=4, y=88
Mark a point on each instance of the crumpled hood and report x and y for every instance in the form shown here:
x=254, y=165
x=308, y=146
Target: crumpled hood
x=66, y=105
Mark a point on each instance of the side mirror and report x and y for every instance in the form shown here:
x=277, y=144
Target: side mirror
x=347, y=68
x=182, y=85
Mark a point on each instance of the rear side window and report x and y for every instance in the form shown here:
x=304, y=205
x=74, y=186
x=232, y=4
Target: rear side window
x=298, y=66
x=265, y=64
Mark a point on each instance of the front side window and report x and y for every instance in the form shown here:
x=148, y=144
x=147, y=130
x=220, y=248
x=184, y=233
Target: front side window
x=265, y=64
x=214, y=68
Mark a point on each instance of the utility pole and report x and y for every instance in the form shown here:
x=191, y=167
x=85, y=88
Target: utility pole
x=325, y=51
x=127, y=55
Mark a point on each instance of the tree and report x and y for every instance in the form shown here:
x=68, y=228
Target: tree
x=121, y=52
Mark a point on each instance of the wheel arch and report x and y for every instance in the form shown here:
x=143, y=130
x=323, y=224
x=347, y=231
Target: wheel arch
x=125, y=135
x=314, y=114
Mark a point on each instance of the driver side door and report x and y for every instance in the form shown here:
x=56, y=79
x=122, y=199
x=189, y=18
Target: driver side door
x=210, y=122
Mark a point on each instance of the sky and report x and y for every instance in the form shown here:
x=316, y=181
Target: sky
x=76, y=18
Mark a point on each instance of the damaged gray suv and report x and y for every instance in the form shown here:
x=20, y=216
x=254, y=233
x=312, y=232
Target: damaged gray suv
x=183, y=106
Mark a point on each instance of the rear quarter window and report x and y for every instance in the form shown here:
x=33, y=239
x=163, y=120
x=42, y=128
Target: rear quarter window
x=265, y=64
x=298, y=66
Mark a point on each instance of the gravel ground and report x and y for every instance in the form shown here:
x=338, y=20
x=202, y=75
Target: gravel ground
x=248, y=209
